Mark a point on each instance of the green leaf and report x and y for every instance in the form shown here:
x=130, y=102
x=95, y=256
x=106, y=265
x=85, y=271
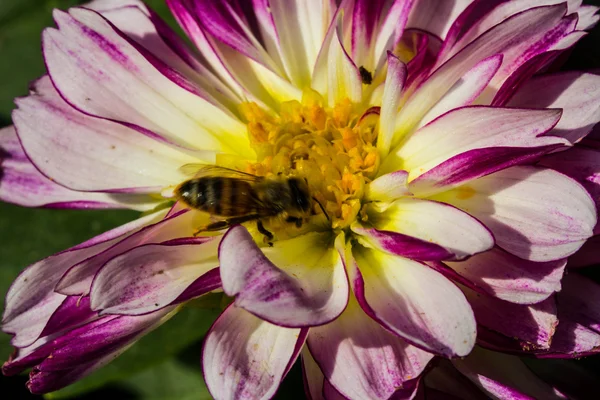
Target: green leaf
x=21, y=25
x=185, y=328
x=170, y=380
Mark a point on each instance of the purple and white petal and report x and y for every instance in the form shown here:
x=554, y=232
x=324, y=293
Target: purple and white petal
x=517, y=39
x=390, y=31
x=144, y=95
x=531, y=325
x=149, y=31
x=21, y=183
x=485, y=15
x=77, y=280
x=297, y=282
x=588, y=17
x=85, y=349
x=392, y=94
x=467, y=89
x=73, y=311
x=450, y=384
x=504, y=376
x=510, y=278
x=388, y=187
x=580, y=163
x=442, y=154
x=438, y=231
x=244, y=357
x=534, y=213
x=576, y=93
x=225, y=21
x=344, y=81
x=300, y=34
x=401, y=244
x=81, y=145
x=578, y=332
x=413, y=301
x=150, y=277
x=435, y=16
x=31, y=300
x=361, y=359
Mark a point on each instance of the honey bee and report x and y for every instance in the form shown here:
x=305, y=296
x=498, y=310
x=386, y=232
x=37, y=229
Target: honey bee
x=239, y=197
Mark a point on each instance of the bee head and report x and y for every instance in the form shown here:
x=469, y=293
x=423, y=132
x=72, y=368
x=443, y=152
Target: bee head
x=300, y=194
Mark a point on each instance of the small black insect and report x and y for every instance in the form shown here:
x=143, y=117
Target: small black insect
x=365, y=75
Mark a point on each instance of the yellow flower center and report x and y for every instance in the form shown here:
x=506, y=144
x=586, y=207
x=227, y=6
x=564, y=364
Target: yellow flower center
x=334, y=149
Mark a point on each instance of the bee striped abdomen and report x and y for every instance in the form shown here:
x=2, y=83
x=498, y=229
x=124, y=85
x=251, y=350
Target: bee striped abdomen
x=222, y=196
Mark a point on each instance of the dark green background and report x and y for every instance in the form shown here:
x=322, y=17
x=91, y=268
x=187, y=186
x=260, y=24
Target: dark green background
x=166, y=363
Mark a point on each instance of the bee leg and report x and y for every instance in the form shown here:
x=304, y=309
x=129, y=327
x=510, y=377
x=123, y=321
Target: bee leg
x=268, y=235
x=296, y=220
x=226, y=223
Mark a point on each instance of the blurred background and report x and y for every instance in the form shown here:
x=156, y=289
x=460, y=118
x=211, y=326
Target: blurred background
x=166, y=363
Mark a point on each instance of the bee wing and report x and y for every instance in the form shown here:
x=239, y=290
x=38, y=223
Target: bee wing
x=200, y=170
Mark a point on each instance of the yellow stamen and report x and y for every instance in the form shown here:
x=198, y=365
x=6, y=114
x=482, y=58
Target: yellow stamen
x=334, y=148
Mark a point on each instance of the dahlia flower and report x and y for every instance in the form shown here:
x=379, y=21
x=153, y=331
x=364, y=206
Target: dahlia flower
x=439, y=153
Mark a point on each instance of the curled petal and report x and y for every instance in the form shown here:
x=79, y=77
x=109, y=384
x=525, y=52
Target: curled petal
x=85, y=349
x=413, y=301
x=392, y=94
x=344, y=79
x=77, y=280
x=467, y=89
x=588, y=17
x=149, y=31
x=504, y=376
x=532, y=325
x=517, y=39
x=21, y=183
x=436, y=16
x=391, y=30
x=438, y=231
x=135, y=92
x=511, y=278
x=577, y=93
x=516, y=204
x=578, y=332
x=31, y=300
x=150, y=277
x=301, y=27
x=361, y=359
x=297, y=282
x=388, y=187
x=447, y=383
x=73, y=312
x=441, y=154
x=580, y=163
x=244, y=357
x=80, y=145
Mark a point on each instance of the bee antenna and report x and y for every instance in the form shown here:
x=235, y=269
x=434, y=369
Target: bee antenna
x=322, y=208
